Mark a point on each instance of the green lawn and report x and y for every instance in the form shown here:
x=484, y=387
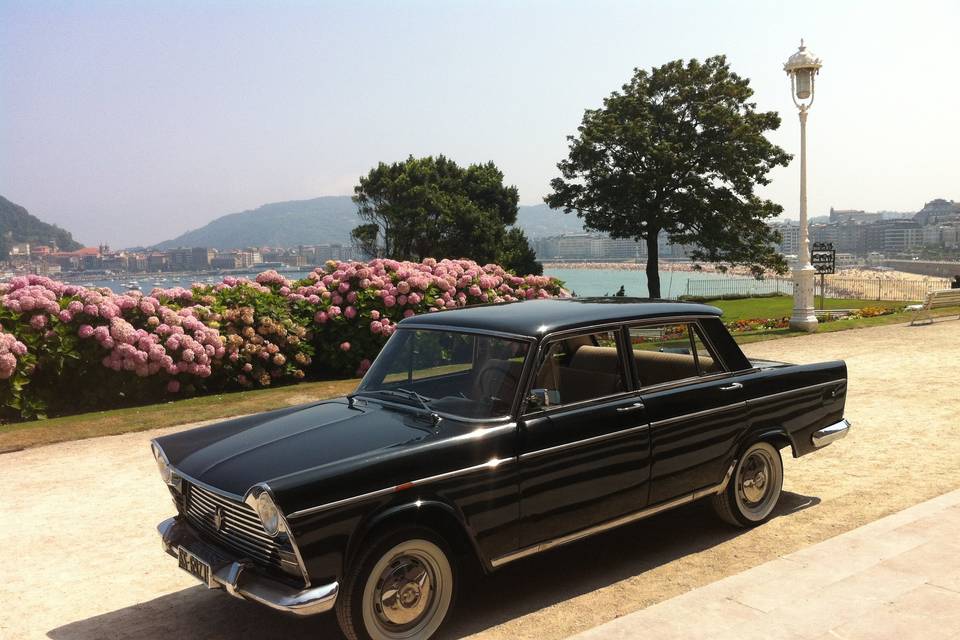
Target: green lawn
x=781, y=306
x=842, y=325
x=167, y=414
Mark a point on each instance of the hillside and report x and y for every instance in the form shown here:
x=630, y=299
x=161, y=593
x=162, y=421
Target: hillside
x=24, y=227
x=280, y=224
x=539, y=221
x=326, y=220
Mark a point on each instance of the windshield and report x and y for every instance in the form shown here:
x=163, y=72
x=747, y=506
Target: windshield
x=464, y=374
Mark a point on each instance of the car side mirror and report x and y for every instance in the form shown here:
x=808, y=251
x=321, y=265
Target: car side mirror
x=544, y=397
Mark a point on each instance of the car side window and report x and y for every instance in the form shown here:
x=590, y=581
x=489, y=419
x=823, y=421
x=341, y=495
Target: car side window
x=578, y=368
x=670, y=352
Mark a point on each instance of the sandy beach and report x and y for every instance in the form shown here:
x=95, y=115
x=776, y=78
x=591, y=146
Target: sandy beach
x=740, y=271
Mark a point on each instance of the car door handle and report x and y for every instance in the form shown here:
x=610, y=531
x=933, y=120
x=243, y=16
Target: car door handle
x=634, y=407
x=732, y=387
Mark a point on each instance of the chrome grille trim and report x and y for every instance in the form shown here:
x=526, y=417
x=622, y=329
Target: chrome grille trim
x=241, y=531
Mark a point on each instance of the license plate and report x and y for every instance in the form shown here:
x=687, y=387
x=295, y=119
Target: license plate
x=193, y=565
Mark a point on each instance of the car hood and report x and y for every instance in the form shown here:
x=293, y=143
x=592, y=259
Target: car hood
x=237, y=454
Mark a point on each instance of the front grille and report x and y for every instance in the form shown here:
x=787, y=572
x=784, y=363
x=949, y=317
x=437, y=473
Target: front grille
x=240, y=530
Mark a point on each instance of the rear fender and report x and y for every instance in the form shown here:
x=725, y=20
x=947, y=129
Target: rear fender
x=777, y=436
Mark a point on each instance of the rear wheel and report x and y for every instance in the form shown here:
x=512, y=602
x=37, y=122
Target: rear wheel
x=401, y=588
x=754, y=489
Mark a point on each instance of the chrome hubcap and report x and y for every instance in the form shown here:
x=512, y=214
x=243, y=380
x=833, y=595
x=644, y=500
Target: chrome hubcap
x=404, y=591
x=758, y=482
x=753, y=477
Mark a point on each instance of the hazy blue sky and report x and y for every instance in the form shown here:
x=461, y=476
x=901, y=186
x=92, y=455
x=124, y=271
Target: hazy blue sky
x=130, y=122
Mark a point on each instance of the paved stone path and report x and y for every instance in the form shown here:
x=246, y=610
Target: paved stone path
x=895, y=578
x=83, y=561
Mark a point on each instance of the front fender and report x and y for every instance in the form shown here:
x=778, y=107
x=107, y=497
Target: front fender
x=434, y=513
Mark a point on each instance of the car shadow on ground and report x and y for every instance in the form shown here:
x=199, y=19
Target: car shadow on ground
x=517, y=589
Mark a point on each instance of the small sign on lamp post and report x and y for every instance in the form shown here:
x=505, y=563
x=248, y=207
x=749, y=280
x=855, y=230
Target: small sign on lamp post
x=824, y=261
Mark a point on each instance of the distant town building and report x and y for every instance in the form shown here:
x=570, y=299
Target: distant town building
x=201, y=257
x=599, y=247
x=226, y=261
x=852, y=215
x=937, y=212
x=790, y=233
x=158, y=261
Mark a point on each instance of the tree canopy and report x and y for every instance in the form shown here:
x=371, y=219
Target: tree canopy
x=432, y=207
x=680, y=149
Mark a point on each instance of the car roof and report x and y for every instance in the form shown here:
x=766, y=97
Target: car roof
x=535, y=318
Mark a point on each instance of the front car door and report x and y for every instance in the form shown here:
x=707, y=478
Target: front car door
x=585, y=446
x=695, y=406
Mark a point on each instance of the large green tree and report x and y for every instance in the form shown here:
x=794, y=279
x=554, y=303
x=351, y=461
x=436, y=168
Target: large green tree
x=680, y=149
x=432, y=207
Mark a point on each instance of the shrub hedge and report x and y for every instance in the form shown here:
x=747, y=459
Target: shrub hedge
x=65, y=348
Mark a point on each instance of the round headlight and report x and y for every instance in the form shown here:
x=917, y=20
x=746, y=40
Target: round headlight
x=166, y=471
x=269, y=514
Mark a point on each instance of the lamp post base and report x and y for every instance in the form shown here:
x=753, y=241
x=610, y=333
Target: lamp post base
x=803, y=317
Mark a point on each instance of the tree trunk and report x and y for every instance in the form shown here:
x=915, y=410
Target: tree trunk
x=653, y=265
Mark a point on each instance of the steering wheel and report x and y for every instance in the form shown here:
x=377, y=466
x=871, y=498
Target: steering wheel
x=492, y=379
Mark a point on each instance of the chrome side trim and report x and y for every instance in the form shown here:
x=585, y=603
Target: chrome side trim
x=618, y=522
x=240, y=580
x=549, y=410
x=697, y=414
x=491, y=464
x=585, y=441
x=834, y=432
x=340, y=503
x=687, y=382
x=795, y=391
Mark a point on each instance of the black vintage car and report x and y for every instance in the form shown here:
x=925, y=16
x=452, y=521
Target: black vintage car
x=486, y=435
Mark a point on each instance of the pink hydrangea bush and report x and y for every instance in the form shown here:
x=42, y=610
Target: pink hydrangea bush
x=266, y=339
x=65, y=348
x=358, y=304
x=10, y=348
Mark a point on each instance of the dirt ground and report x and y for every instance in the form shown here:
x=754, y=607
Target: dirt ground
x=83, y=561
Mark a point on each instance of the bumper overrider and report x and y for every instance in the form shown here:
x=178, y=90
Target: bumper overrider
x=834, y=432
x=241, y=579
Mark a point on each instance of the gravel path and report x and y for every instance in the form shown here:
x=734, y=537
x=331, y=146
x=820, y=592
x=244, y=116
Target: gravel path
x=83, y=560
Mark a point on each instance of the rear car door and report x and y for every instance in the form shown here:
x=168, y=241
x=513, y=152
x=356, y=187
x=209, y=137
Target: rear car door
x=585, y=446
x=696, y=407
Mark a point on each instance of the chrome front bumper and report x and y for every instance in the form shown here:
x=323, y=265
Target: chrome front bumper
x=825, y=436
x=241, y=580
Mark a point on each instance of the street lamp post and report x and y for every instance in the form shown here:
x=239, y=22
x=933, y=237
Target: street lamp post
x=802, y=67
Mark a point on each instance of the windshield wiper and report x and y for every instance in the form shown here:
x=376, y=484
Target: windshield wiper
x=409, y=395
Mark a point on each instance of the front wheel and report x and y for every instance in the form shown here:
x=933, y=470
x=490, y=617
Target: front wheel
x=400, y=588
x=754, y=490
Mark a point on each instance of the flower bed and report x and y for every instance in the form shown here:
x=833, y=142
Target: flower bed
x=757, y=324
x=65, y=348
